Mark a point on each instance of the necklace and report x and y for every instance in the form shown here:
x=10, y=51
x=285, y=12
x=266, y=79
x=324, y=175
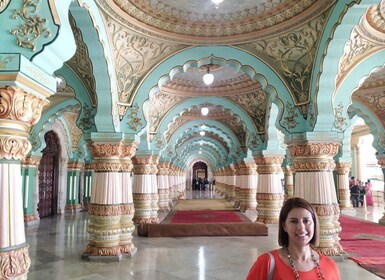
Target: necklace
x=295, y=271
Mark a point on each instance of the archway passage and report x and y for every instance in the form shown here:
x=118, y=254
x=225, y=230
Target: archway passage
x=199, y=175
x=48, y=176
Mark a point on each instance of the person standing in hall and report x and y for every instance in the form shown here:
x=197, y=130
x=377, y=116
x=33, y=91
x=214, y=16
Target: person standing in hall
x=369, y=193
x=298, y=233
x=355, y=193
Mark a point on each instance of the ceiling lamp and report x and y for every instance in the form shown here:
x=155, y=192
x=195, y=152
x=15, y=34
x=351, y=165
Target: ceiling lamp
x=204, y=111
x=217, y=2
x=203, y=127
x=202, y=133
x=208, y=78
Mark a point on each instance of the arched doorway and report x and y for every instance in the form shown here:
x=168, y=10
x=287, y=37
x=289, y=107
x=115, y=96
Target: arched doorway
x=199, y=174
x=48, y=176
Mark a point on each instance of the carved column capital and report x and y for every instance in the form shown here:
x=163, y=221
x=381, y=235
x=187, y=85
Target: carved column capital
x=313, y=156
x=343, y=168
x=269, y=164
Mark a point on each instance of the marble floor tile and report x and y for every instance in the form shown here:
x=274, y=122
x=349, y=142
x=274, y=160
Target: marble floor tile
x=57, y=243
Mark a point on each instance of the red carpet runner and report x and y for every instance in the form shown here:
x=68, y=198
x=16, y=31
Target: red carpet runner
x=202, y=216
x=365, y=243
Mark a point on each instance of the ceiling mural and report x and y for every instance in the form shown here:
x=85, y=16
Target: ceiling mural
x=292, y=55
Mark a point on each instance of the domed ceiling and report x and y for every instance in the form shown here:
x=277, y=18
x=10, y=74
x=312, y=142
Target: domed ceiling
x=203, y=22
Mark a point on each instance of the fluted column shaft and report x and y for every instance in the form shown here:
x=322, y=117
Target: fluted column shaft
x=111, y=208
x=143, y=188
x=270, y=193
x=313, y=163
x=248, y=189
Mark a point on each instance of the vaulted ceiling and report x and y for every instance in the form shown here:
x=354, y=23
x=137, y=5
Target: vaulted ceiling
x=285, y=37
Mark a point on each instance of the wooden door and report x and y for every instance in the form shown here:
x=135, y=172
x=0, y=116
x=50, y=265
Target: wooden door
x=48, y=176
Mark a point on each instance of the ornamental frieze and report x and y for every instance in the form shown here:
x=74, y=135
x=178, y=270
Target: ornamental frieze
x=102, y=251
x=110, y=210
x=142, y=160
x=75, y=165
x=270, y=196
x=14, y=264
x=324, y=210
x=269, y=160
x=143, y=169
x=107, y=166
x=105, y=150
x=263, y=169
x=312, y=150
x=316, y=165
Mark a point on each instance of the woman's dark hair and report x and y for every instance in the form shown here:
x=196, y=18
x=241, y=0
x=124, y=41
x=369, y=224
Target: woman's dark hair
x=290, y=204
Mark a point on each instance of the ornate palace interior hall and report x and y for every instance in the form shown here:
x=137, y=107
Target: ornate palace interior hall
x=57, y=243
x=118, y=107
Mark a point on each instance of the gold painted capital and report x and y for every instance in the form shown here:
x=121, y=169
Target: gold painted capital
x=19, y=107
x=343, y=168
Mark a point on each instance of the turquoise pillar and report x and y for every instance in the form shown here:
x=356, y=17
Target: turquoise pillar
x=73, y=185
x=29, y=172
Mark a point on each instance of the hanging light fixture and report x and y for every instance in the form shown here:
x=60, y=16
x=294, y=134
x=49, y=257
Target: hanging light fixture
x=208, y=78
x=204, y=111
x=217, y=2
x=202, y=133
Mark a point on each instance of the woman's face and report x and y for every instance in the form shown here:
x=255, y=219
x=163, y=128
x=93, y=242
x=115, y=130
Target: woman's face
x=299, y=225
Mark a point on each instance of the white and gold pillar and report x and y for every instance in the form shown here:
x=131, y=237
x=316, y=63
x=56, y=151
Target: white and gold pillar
x=111, y=208
x=342, y=169
x=19, y=111
x=163, y=187
x=248, y=189
x=314, y=164
x=142, y=190
x=270, y=193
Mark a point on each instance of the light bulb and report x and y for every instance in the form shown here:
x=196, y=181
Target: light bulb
x=208, y=78
x=204, y=111
x=202, y=133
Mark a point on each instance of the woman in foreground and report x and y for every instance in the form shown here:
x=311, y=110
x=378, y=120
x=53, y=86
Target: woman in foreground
x=298, y=231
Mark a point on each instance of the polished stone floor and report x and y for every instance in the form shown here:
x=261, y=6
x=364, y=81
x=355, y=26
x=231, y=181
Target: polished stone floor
x=57, y=243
